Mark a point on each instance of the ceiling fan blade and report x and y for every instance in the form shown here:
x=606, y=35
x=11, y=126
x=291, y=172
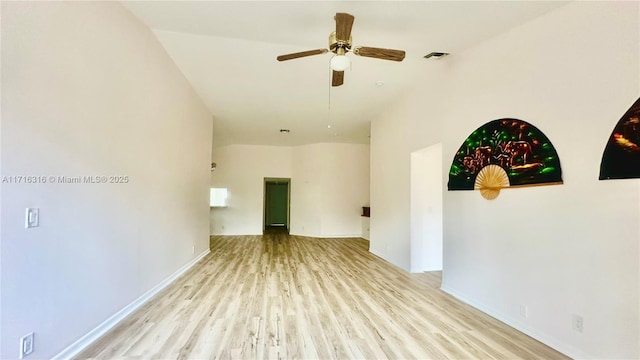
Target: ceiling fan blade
x=378, y=53
x=337, y=78
x=302, y=54
x=344, y=23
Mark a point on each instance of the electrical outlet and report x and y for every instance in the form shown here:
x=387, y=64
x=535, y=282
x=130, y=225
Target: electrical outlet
x=577, y=323
x=524, y=311
x=193, y=249
x=26, y=345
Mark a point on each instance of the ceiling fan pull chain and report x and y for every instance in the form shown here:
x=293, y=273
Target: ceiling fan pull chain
x=329, y=102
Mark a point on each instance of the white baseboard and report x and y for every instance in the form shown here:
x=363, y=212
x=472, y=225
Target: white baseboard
x=236, y=234
x=340, y=236
x=329, y=236
x=93, y=335
x=379, y=255
x=566, y=349
x=376, y=253
x=418, y=269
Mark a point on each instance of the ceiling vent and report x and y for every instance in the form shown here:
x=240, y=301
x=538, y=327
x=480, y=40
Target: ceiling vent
x=436, y=55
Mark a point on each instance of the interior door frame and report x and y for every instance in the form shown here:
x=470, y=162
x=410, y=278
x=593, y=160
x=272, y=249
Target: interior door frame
x=264, y=200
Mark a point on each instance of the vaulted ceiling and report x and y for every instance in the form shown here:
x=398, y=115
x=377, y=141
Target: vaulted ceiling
x=228, y=50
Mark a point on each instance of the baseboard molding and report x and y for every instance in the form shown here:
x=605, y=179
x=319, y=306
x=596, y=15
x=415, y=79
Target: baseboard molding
x=329, y=236
x=93, y=335
x=568, y=350
x=378, y=255
x=420, y=270
x=239, y=234
x=375, y=252
x=341, y=236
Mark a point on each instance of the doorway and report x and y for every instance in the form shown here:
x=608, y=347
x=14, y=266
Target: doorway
x=277, y=193
x=426, y=209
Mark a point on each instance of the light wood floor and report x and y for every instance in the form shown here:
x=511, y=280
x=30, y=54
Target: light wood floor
x=290, y=297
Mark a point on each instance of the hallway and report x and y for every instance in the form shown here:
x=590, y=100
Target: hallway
x=288, y=297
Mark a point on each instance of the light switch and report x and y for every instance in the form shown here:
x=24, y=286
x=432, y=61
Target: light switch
x=32, y=218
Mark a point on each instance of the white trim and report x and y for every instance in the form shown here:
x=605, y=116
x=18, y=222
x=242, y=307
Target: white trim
x=341, y=236
x=93, y=335
x=375, y=252
x=566, y=349
x=418, y=270
x=328, y=236
x=237, y=234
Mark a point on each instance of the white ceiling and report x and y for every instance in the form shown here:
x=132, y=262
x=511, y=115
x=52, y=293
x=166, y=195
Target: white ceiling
x=228, y=49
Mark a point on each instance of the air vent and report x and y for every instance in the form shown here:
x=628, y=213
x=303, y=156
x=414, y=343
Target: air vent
x=436, y=55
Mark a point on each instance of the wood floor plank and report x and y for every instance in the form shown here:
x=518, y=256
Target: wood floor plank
x=291, y=297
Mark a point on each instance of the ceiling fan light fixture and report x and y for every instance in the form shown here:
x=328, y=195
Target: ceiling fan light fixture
x=340, y=62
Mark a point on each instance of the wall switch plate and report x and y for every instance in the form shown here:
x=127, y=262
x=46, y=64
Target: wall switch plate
x=524, y=311
x=577, y=323
x=26, y=345
x=32, y=218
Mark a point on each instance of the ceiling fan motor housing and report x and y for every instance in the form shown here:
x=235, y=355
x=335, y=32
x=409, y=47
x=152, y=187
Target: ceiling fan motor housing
x=335, y=44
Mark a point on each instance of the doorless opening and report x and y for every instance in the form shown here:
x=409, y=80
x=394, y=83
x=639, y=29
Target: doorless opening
x=276, y=203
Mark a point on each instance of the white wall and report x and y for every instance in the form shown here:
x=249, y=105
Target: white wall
x=413, y=120
x=306, y=191
x=88, y=90
x=329, y=186
x=329, y=189
x=559, y=250
x=426, y=209
x=242, y=169
x=345, y=180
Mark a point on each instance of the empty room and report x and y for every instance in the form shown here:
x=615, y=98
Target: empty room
x=320, y=180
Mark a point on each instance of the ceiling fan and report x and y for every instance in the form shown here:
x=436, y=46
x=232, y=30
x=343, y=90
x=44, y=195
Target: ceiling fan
x=340, y=43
